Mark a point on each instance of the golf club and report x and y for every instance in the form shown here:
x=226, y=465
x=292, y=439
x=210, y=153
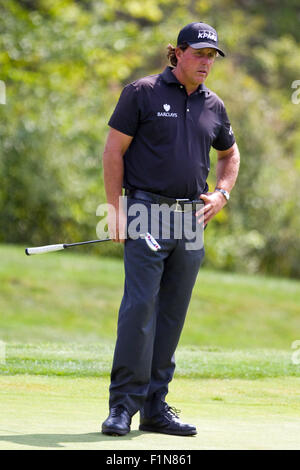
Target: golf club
x=151, y=242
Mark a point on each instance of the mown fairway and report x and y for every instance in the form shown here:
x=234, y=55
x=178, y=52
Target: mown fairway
x=235, y=377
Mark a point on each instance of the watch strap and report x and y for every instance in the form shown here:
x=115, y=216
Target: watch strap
x=224, y=192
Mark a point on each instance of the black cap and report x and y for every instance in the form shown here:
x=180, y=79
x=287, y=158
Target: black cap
x=199, y=36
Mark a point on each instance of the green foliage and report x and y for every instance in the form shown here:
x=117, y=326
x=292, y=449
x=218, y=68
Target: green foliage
x=64, y=64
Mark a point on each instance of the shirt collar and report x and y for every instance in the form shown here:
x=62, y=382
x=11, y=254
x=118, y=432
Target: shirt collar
x=169, y=77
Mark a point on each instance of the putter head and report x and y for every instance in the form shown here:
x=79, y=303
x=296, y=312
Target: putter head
x=151, y=242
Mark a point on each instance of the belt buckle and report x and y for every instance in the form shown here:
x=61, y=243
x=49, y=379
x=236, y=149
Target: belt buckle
x=178, y=207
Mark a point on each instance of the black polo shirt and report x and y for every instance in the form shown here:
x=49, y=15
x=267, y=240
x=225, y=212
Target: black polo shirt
x=172, y=135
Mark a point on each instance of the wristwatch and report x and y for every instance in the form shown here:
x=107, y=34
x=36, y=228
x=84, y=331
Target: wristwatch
x=224, y=192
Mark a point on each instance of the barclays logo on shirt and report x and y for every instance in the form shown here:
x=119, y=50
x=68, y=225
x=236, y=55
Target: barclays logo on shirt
x=167, y=108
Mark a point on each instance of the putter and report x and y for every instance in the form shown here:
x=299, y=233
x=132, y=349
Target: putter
x=38, y=250
x=151, y=242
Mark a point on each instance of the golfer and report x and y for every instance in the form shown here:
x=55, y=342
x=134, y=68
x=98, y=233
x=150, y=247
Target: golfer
x=157, y=149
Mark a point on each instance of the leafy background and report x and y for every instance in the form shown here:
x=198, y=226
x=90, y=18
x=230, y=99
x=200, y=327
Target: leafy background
x=64, y=64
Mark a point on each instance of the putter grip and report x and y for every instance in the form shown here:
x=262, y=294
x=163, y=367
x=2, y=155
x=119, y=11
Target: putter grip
x=43, y=249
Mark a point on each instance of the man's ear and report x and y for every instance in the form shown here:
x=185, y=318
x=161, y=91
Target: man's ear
x=178, y=52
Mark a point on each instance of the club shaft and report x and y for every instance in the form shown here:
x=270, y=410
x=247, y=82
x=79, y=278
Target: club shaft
x=68, y=245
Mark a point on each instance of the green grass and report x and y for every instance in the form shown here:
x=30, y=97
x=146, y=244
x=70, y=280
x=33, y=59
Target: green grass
x=94, y=360
x=39, y=412
x=74, y=297
x=59, y=316
x=235, y=378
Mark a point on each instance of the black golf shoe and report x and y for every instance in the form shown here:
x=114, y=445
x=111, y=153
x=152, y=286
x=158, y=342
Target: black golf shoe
x=118, y=422
x=167, y=422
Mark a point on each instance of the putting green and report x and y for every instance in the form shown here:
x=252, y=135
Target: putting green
x=40, y=412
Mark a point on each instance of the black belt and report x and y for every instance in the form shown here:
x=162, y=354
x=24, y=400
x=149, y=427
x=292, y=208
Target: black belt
x=180, y=205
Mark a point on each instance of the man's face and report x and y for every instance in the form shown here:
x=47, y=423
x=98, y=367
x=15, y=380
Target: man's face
x=195, y=64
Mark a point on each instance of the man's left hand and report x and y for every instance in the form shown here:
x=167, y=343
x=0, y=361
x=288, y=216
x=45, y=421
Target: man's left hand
x=214, y=202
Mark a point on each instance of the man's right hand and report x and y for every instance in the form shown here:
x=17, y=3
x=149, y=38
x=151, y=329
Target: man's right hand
x=117, y=221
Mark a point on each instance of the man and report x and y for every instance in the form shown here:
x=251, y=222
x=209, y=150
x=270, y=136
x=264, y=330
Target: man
x=158, y=149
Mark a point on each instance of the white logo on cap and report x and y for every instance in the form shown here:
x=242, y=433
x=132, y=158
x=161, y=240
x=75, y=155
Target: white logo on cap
x=207, y=35
x=167, y=107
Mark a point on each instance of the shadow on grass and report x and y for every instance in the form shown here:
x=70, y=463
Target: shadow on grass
x=57, y=440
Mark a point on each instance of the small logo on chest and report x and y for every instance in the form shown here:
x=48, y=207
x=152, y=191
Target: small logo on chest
x=167, y=108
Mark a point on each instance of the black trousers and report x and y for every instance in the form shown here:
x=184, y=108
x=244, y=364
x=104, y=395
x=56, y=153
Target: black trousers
x=157, y=292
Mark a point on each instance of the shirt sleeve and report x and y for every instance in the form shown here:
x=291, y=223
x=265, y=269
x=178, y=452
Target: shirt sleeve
x=125, y=117
x=225, y=138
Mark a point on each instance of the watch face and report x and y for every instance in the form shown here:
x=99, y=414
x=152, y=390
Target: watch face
x=224, y=192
